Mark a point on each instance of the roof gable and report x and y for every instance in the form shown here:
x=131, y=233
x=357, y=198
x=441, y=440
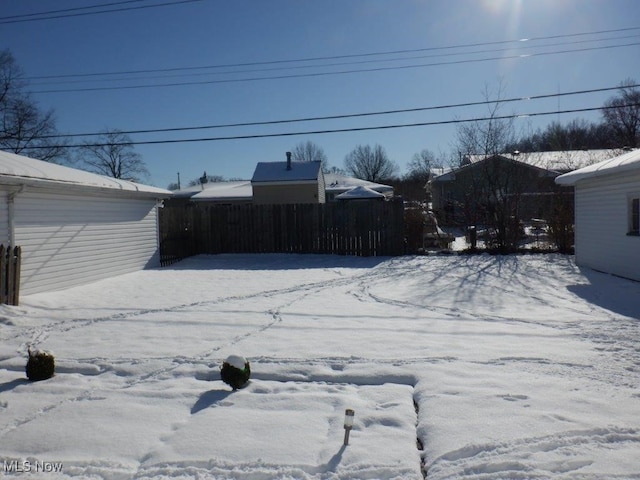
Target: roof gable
x=341, y=183
x=360, y=192
x=266, y=172
x=480, y=162
x=554, y=163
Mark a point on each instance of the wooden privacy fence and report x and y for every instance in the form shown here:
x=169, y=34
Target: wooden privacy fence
x=363, y=228
x=10, y=259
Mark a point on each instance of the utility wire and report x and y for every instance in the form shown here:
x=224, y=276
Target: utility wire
x=335, y=64
x=340, y=130
x=350, y=115
x=65, y=10
x=336, y=57
x=82, y=14
x=323, y=74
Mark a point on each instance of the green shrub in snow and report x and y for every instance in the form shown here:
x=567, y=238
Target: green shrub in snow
x=40, y=366
x=235, y=371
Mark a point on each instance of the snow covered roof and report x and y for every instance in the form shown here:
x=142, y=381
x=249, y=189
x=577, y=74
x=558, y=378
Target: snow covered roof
x=554, y=162
x=564, y=160
x=360, y=192
x=277, y=172
x=225, y=192
x=21, y=170
x=243, y=191
x=335, y=183
x=622, y=163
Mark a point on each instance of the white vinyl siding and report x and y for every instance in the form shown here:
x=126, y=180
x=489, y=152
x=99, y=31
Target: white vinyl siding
x=321, y=188
x=4, y=217
x=602, y=224
x=70, y=240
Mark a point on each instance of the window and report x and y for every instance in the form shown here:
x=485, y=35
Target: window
x=634, y=220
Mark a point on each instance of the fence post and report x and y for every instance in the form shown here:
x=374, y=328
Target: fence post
x=17, y=254
x=10, y=262
x=3, y=274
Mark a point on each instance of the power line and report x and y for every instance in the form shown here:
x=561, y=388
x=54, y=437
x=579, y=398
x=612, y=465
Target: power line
x=351, y=115
x=337, y=57
x=323, y=74
x=82, y=14
x=325, y=65
x=340, y=130
x=65, y=10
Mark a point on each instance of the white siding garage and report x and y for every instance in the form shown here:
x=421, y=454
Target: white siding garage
x=606, y=215
x=75, y=227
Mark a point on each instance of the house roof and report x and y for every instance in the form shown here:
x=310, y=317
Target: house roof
x=335, y=183
x=277, y=172
x=243, y=190
x=555, y=162
x=360, y=192
x=21, y=170
x=564, y=160
x=629, y=161
x=224, y=192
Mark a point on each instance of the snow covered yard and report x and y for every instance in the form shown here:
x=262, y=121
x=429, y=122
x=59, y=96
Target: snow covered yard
x=475, y=367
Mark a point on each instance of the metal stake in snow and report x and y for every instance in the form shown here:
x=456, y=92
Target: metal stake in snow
x=348, y=424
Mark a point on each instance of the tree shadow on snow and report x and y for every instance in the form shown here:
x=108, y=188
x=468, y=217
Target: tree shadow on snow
x=209, y=398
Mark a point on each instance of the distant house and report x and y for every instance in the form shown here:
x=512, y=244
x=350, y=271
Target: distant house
x=75, y=227
x=288, y=182
x=457, y=194
x=241, y=192
x=607, y=214
x=339, y=184
x=216, y=193
x=360, y=193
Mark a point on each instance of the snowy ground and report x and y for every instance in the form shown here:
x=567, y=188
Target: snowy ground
x=473, y=367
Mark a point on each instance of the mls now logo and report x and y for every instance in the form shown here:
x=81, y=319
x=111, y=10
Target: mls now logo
x=29, y=466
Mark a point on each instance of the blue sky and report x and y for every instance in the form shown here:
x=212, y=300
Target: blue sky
x=213, y=33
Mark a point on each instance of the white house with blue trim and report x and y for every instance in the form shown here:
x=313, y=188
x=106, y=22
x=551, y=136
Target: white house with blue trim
x=607, y=214
x=75, y=227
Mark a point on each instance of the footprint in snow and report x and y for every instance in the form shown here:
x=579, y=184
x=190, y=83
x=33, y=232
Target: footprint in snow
x=513, y=398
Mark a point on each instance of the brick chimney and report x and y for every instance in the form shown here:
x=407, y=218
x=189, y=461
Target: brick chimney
x=288, y=160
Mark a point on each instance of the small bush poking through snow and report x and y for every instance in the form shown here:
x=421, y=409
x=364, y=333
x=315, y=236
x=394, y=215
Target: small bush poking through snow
x=40, y=365
x=235, y=371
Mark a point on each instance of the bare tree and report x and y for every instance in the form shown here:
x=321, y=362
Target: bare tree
x=487, y=137
x=113, y=155
x=372, y=164
x=24, y=129
x=420, y=166
x=308, y=152
x=622, y=114
x=492, y=184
